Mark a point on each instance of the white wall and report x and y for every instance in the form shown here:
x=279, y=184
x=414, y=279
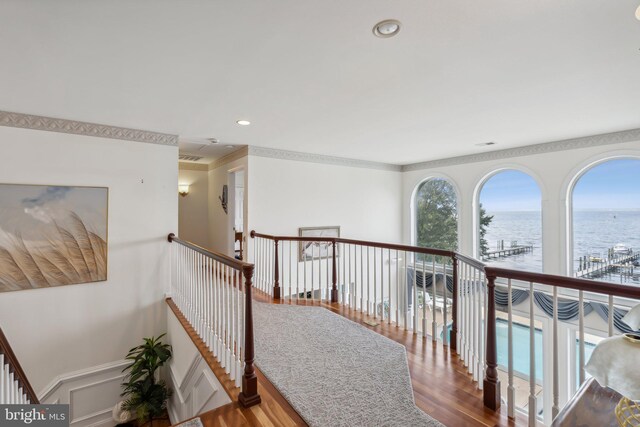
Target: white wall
x=193, y=212
x=83, y=327
x=554, y=172
x=195, y=387
x=286, y=194
x=221, y=235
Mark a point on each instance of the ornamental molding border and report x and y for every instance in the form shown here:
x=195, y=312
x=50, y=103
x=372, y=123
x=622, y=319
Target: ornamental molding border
x=528, y=150
x=319, y=158
x=29, y=121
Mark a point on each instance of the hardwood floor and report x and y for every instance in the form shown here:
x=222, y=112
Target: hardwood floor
x=441, y=385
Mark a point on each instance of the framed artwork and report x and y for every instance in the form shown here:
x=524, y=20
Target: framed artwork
x=52, y=236
x=315, y=250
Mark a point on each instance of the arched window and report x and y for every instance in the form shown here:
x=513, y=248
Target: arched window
x=510, y=221
x=606, y=222
x=436, y=209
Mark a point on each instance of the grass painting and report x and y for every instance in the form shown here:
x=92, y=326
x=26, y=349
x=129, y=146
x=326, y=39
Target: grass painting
x=52, y=236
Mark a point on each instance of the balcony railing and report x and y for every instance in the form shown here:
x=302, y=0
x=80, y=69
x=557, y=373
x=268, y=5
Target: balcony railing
x=451, y=298
x=213, y=292
x=14, y=385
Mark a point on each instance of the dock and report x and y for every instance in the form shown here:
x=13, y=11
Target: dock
x=614, y=262
x=503, y=252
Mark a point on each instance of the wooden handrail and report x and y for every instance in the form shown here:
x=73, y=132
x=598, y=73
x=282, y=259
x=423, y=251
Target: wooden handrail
x=249, y=395
x=587, y=285
x=236, y=264
x=541, y=278
x=392, y=246
x=491, y=382
x=14, y=366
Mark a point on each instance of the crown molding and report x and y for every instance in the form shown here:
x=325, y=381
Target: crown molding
x=319, y=158
x=547, y=147
x=231, y=157
x=185, y=166
x=28, y=121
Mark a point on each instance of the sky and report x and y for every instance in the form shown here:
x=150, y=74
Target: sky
x=510, y=190
x=31, y=210
x=614, y=184
x=611, y=185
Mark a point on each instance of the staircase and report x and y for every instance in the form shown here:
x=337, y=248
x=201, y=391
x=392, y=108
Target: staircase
x=14, y=385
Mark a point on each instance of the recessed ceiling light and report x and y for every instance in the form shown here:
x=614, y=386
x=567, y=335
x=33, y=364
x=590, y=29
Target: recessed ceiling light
x=213, y=140
x=230, y=146
x=638, y=13
x=386, y=28
x=482, y=144
x=243, y=122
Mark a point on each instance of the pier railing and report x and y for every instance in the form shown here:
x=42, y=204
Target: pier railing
x=448, y=297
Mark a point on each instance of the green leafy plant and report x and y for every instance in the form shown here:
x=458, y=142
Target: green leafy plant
x=146, y=396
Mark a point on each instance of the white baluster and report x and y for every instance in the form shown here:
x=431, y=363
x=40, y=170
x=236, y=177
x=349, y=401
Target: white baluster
x=511, y=390
x=445, y=327
x=2, y=397
x=414, y=305
x=556, y=388
x=611, y=315
x=390, y=311
x=381, y=286
x=375, y=280
x=368, y=283
x=475, y=324
x=434, y=320
x=362, y=279
x=581, y=354
x=424, y=298
x=397, y=288
x=12, y=392
x=532, y=359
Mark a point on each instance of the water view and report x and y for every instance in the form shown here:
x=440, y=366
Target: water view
x=606, y=215
x=595, y=233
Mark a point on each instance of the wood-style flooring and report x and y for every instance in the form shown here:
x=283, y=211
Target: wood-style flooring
x=441, y=385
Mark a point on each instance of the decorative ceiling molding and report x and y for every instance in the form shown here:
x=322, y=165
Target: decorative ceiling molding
x=188, y=166
x=319, y=158
x=547, y=147
x=28, y=121
x=231, y=157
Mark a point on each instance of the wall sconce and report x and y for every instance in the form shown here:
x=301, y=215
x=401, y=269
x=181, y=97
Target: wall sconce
x=183, y=189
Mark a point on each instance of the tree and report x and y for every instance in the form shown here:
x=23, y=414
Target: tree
x=485, y=220
x=437, y=215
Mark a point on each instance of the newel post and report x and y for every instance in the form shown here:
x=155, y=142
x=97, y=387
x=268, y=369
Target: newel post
x=491, y=382
x=276, y=273
x=453, y=337
x=249, y=395
x=334, y=286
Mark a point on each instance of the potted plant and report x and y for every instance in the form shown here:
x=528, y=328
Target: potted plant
x=145, y=395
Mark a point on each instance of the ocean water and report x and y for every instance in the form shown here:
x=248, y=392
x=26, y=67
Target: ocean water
x=594, y=233
x=525, y=228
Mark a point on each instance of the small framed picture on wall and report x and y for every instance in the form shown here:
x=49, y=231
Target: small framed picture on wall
x=310, y=250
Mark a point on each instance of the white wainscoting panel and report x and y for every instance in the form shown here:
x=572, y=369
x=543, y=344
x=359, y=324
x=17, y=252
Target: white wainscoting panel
x=195, y=387
x=91, y=393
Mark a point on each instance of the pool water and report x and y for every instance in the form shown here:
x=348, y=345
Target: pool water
x=521, y=349
x=521, y=354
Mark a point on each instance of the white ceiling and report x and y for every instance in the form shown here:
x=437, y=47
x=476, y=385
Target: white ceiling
x=311, y=76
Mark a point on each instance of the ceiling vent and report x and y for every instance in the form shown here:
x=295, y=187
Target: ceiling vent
x=189, y=157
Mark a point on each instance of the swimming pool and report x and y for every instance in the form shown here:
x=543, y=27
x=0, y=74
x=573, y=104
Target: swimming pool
x=521, y=354
x=521, y=349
